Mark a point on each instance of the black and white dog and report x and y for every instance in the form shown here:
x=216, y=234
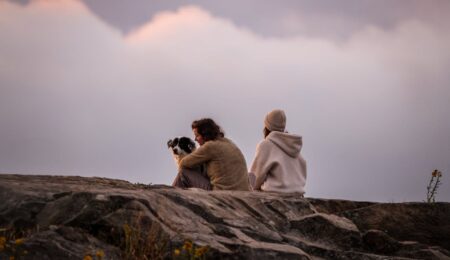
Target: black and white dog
x=180, y=147
x=195, y=177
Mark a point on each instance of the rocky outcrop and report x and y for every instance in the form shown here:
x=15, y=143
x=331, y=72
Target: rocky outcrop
x=56, y=217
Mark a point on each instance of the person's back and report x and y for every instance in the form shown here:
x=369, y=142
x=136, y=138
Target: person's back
x=227, y=169
x=225, y=163
x=278, y=165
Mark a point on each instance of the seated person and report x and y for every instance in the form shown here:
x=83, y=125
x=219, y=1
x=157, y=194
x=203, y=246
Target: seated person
x=192, y=178
x=225, y=163
x=187, y=178
x=278, y=165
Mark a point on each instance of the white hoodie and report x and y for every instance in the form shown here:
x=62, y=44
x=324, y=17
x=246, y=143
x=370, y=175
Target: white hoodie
x=278, y=165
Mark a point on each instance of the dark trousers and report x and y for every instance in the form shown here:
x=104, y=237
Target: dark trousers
x=192, y=178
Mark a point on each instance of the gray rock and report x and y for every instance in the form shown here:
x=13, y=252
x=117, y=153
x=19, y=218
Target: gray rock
x=380, y=242
x=62, y=243
x=69, y=217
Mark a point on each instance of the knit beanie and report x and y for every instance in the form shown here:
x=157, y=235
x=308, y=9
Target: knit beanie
x=275, y=120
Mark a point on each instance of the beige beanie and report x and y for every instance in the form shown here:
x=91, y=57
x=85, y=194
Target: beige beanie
x=275, y=120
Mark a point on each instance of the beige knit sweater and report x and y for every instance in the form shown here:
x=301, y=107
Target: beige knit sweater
x=225, y=164
x=278, y=164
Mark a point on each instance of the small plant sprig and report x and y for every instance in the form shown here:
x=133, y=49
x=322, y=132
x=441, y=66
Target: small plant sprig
x=433, y=186
x=98, y=255
x=190, y=251
x=11, y=244
x=142, y=244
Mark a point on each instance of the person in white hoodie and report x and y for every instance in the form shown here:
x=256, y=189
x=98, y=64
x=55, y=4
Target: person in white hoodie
x=278, y=165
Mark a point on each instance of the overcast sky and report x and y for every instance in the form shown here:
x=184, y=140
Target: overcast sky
x=97, y=87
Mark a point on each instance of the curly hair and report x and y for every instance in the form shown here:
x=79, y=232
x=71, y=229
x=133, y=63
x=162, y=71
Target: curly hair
x=208, y=129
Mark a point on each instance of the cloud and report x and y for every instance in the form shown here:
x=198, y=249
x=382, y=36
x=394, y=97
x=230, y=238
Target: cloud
x=337, y=19
x=77, y=97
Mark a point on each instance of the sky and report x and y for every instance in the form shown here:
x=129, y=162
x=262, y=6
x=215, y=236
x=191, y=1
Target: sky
x=98, y=87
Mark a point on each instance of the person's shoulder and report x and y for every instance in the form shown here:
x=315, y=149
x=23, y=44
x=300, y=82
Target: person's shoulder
x=213, y=144
x=226, y=142
x=222, y=141
x=264, y=144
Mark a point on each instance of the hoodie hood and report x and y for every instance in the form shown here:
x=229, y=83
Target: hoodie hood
x=291, y=144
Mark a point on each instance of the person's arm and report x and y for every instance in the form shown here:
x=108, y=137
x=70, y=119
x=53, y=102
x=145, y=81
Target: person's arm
x=261, y=164
x=199, y=156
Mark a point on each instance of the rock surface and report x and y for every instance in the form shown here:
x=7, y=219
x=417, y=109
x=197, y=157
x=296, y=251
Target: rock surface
x=68, y=217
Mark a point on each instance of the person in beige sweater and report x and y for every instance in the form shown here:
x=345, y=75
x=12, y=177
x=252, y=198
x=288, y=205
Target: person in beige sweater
x=278, y=165
x=225, y=163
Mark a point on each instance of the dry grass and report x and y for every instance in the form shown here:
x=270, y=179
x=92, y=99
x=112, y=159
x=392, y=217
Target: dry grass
x=433, y=186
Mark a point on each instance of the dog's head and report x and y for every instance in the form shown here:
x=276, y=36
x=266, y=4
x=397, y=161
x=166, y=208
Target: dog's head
x=181, y=146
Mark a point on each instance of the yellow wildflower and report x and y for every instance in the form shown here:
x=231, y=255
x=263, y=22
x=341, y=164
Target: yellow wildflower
x=2, y=243
x=19, y=241
x=187, y=246
x=177, y=252
x=87, y=257
x=100, y=254
x=435, y=173
x=200, y=251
